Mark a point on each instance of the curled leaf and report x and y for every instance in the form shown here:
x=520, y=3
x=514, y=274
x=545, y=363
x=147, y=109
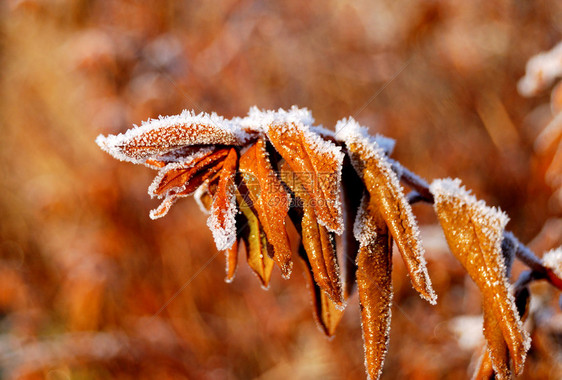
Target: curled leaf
x=374, y=284
x=271, y=202
x=183, y=178
x=317, y=163
x=474, y=233
x=386, y=195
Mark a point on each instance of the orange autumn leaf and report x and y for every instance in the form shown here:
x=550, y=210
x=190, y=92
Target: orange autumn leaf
x=374, y=284
x=183, y=178
x=222, y=220
x=317, y=163
x=474, y=233
x=317, y=241
x=255, y=241
x=157, y=137
x=327, y=313
x=496, y=349
x=484, y=369
x=385, y=193
x=178, y=175
x=271, y=204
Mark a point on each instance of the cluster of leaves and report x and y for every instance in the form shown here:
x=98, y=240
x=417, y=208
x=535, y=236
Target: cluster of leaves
x=254, y=175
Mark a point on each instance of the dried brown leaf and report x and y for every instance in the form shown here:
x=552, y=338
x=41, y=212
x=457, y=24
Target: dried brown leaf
x=386, y=195
x=317, y=163
x=318, y=242
x=157, y=137
x=181, y=179
x=182, y=175
x=474, y=233
x=222, y=220
x=257, y=247
x=374, y=285
x=496, y=349
x=327, y=313
x=484, y=369
x=271, y=203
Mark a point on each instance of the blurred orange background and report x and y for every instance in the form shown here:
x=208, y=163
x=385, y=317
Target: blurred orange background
x=91, y=288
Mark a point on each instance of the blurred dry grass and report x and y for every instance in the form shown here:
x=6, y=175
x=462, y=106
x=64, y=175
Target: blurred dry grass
x=85, y=274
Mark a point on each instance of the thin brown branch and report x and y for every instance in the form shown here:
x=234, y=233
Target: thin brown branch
x=413, y=181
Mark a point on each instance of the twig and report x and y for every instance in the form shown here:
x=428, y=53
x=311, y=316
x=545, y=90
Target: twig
x=414, y=181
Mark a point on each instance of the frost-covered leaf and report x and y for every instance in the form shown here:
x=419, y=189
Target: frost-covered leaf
x=496, y=347
x=374, y=284
x=474, y=233
x=182, y=178
x=271, y=202
x=222, y=220
x=318, y=242
x=317, y=163
x=157, y=137
x=257, y=247
x=484, y=369
x=187, y=174
x=327, y=313
x=386, y=195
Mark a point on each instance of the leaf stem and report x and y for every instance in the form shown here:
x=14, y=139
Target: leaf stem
x=414, y=181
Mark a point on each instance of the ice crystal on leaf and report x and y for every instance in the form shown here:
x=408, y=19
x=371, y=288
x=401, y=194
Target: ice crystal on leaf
x=157, y=137
x=256, y=174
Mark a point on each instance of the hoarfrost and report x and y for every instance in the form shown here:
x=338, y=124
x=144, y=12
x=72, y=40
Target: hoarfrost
x=258, y=120
x=348, y=130
x=492, y=219
x=553, y=260
x=159, y=136
x=184, y=163
x=364, y=233
x=325, y=158
x=224, y=233
x=198, y=195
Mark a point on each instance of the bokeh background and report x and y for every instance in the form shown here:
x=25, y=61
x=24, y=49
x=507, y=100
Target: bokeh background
x=91, y=288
